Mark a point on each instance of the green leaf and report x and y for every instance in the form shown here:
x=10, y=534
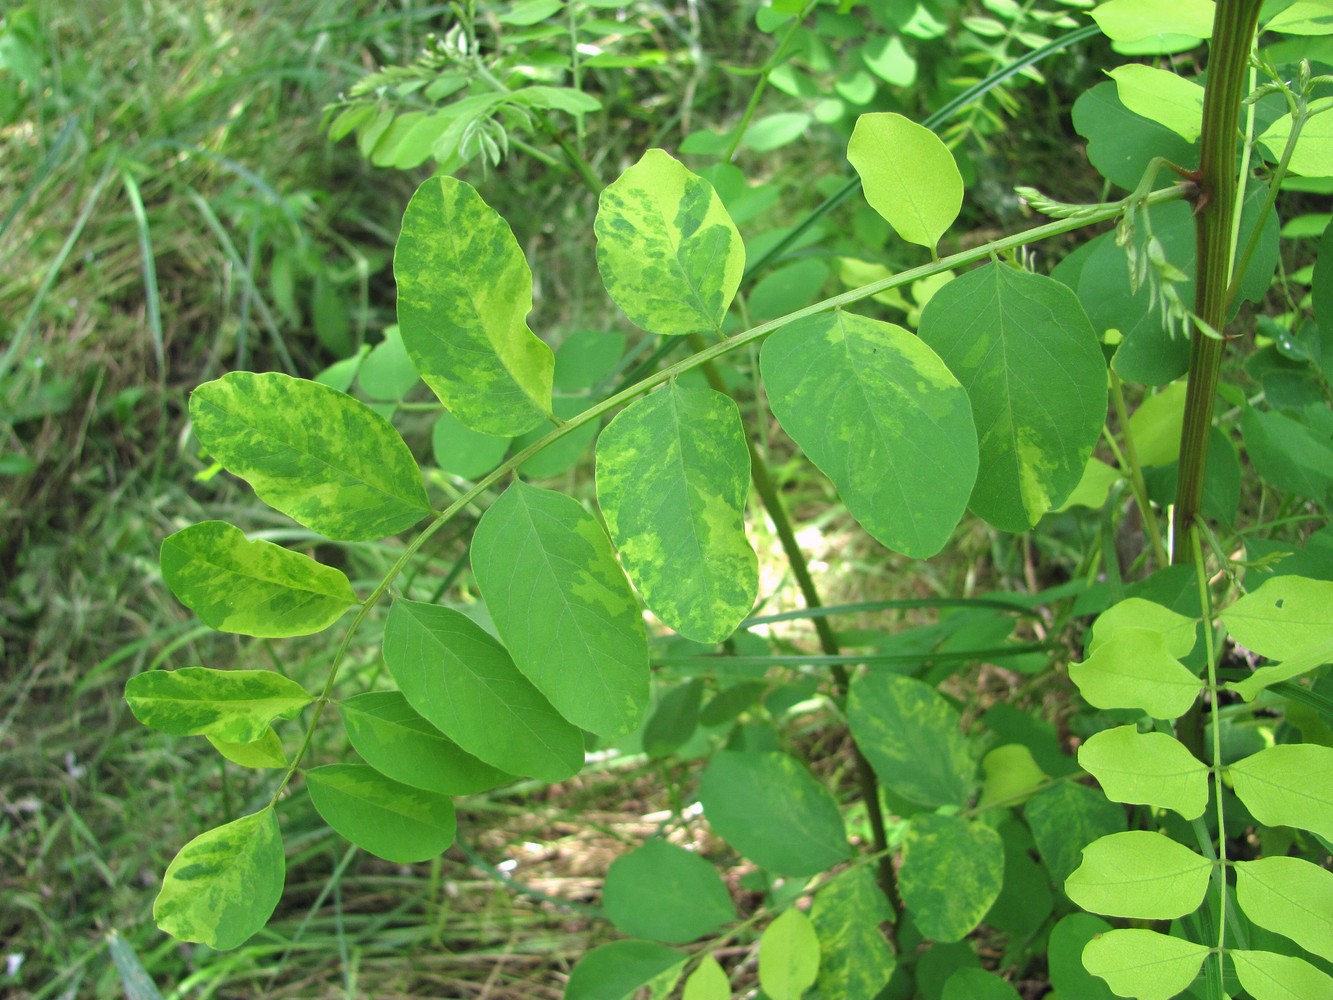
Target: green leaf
x=952, y=872
x=401, y=745
x=1279, y=977
x=674, y=719
x=387, y=374
x=1064, y=818
x=1314, y=147
x=1135, y=20
x=564, y=453
x=1284, y=618
x=665, y=893
x=321, y=457
x=391, y=820
x=460, y=450
x=1289, y=896
x=1121, y=144
x=1178, y=632
x=668, y=252
x=855, y=960
x=224, y=884
x=802, y=831
x=977, y=984
x=1148, y=768
x=883, y=418
x=1304, y=17
x=1064, y=957
x=1139, y=873
x=908, y=174
x=1156, y=424
x=587, y=357
x=1162, y=96
x=265, y=752
x=134, y=978
x=788, y=956
x=1023, y=348
x=252, y=588
x=464, y=684
x=673, y=472
x=1287, y=454
x=464, y=293
x=1275, y=786
x=1134, y=669
x=617, y=970
x=1011, y=775
x=911, y=735
x=235, y=706
x=1144, y=964
x=1026, y=899
x=563, y=607
x=708, y=981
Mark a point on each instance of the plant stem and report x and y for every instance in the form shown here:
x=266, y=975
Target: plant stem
x=828, y=641
x=761, y=85
x=1135, y=473
x=1234, y=25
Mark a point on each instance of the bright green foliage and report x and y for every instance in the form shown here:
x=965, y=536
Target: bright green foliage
x=1161, y=95
x=976, y=984
x=951, y=873
x=387, y=373
x=319, y=456
x=224, y=884
x=563, y=607
x=1121, y=144
x=1139, y=873
x=788, y=956
x=461, y=450
x=802, y=832
x=1144, y=964
x=463, y=682
x=854, y=958
x=1280, y=977
x=1022, y=346
x=265, y=752
x=673, y=471
x=708, y=981
x=1064, y=957
x=1134, y=669
x=665, y=893
x=1314, y=148
x=882, y=417
x=1148, y=768
x=235, y=706
x=908, y=175
x=385, y=817
x=400, y=744
x=1289, y=618
x=464, y=293
x=1064, y=818
x=615, y=971
x=1156, y=424
x=1178, y=632
x=1276, y=786
x=253, y=588
x=911, y=736
x=1290, y=896
x=1136, y=20
x=669, y=254
x=1011, y=775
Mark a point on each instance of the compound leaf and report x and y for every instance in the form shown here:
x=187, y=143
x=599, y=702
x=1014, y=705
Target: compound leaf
x=1135, y=669
x=563, y=607
x=385, y=817
x=235, y=706
x=252, y=587
x=395, y=740
x=1148, y=768
x=321, y=457
x=1275, y=786
x=908, y=175
x=883, y=418
x=665, y=893
x=1139, y=873
x=1279, y=977
x=1025, y=351
x=224, y=884
x=802, y=831
x=1144, y=964
x=464, y=683
x=1289, y=896
x=464, y=293
x=952, y=872
x=669, y=254
x=673, y=471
